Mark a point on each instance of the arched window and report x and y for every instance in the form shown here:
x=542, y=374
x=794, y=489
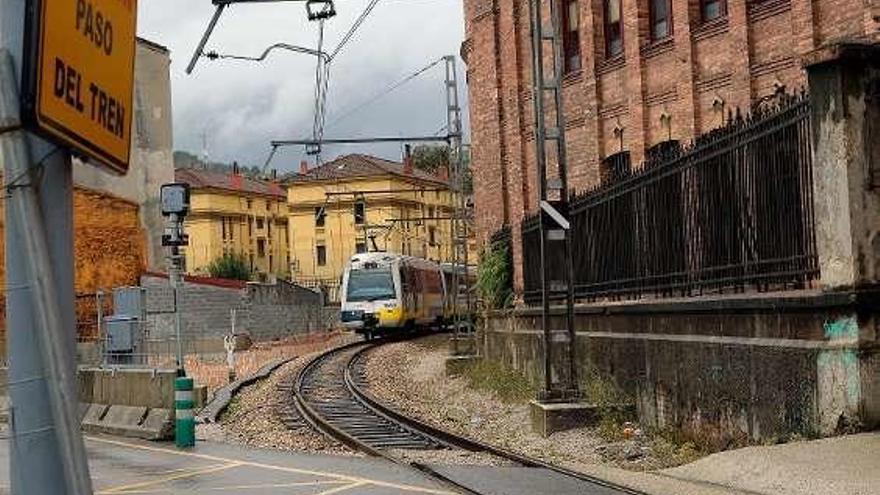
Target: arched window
x=663, y=150
x=616, y=167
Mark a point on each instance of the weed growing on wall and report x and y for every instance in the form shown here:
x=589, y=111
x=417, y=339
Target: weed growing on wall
x=493, y=277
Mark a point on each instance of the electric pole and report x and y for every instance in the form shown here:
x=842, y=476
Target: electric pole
x=459, y=227
x=554, y=197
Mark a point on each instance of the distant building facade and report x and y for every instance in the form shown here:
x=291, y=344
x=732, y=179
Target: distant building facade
x=233, y=214
x=639, y=76
x=152, y=162
x=342, y=207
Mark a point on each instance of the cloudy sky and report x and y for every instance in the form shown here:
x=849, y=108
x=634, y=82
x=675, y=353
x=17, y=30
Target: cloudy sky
x=240, y=106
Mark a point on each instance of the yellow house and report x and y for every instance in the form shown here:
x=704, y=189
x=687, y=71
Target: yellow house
x=231, y=213
x=360, y=203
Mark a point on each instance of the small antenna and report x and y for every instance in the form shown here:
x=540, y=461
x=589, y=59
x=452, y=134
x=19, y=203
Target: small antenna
x=205, y=156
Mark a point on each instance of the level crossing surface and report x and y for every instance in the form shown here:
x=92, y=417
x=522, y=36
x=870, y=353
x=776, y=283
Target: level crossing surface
x=121, y=467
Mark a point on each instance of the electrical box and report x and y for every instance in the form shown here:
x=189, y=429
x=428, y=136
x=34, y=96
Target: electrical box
x=122, y=333
x=130, y=302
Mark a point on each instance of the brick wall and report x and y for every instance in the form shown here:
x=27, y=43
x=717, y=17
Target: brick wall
x=265, y=311
x=109, y=247
x=671, y=89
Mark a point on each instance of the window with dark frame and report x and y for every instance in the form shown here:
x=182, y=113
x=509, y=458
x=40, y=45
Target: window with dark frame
x=613, y=29
x=321, y=255
x=713, y=9
x=661, y=19
x=360, y=209
x=320, y=216
x=261, y=248
x=360, y=247
x=571, y=38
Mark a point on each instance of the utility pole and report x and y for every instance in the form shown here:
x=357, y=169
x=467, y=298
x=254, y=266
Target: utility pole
x=459, y=227
x=554, y=198
x=48, y=455
x=175, y=199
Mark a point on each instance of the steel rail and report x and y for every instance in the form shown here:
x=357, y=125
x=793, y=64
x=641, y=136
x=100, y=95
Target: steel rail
x=443, y=437
x=463, y=442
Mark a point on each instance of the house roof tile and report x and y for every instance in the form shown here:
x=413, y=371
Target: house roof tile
x=200, y=178
x=357, y=165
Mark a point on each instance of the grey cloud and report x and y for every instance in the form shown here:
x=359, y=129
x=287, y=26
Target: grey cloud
x=242, y=106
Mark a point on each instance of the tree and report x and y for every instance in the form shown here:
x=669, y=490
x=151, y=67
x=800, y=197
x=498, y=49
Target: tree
x=431, y=158
x=231, y=266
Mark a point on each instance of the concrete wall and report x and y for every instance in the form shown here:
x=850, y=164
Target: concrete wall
x=845, y=94
x=131, y=387
x=152, y=163
x=265, y=311
x=742, y=367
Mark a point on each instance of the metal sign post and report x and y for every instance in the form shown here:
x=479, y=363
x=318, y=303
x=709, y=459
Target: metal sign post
x=75, y=93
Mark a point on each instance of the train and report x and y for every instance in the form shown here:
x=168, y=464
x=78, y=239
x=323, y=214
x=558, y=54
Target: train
x=385, y=293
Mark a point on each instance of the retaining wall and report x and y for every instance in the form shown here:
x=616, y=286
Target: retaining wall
x=265, y=311
x=743, y=366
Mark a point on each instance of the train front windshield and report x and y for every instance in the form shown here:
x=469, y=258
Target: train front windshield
x=370, y=285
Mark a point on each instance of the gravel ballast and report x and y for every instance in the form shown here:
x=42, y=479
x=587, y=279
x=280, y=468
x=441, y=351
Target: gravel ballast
x=254, y=418
x=411, y=377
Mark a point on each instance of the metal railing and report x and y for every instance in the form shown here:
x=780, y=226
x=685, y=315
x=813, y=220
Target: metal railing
x=731, y=212
x=329, y=287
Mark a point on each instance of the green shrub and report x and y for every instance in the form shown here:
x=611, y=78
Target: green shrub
x=508, y=384
x=493, y=277
x=231, y=266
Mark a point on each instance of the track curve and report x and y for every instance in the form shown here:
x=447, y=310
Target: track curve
x=331, y=394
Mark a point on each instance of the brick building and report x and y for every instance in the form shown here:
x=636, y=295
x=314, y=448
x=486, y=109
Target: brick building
x=640, y=75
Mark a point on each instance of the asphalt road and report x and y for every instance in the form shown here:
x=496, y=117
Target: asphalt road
x=128, y=467
x=123, y=466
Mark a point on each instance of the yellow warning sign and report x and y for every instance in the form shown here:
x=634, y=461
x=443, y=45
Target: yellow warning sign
x=80, y=79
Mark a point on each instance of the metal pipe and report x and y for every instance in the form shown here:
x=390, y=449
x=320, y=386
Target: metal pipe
x=267, y=51
x=221, y=6
x=175, y=277
x=387, y=139
x=102, y=344
x=50, y=305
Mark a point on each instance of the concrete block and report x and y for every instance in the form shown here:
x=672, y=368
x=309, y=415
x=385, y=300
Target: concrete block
x=4, y=409
x=159, y=424
x=94, y=413
x=125, y=416
x=455, y=365
x=549, y=418
x=131, y=421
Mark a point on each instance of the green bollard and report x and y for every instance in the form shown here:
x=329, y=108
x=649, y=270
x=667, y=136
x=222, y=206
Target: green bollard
x=185, y=424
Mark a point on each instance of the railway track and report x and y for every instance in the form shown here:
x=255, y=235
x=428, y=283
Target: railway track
x=331, y=395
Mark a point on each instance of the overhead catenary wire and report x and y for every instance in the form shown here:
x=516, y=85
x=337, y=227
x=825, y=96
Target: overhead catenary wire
x=354, y=27
x=384, y=92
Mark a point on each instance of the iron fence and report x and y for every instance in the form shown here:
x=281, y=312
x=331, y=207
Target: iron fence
x=329, y=287
x=732, y=211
